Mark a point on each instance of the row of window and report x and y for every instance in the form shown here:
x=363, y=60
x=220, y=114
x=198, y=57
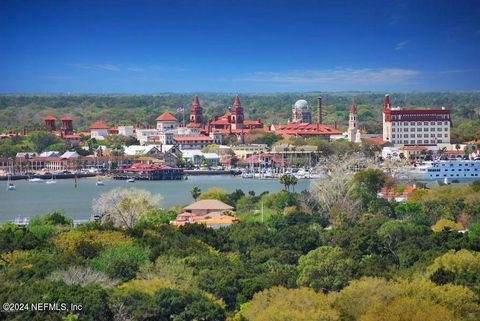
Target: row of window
x=406, y=117
x=406, y=129
x=419, y=123
x=417, y=142
x=452, y=175
x=453, y=170
x=418, y=135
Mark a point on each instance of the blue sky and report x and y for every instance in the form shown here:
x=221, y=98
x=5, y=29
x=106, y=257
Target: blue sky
x=148, y=46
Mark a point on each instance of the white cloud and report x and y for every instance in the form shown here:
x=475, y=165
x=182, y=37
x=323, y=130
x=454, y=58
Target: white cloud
x=343, y=76
x=108, y=67
x=401, y=45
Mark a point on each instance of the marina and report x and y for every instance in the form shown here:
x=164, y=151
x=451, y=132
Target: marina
x=29, y=199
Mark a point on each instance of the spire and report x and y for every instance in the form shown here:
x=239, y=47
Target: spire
x=353, y=109
x=196, y=102
x=236, y=102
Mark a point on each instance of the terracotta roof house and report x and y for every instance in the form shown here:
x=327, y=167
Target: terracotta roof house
x=210, y=212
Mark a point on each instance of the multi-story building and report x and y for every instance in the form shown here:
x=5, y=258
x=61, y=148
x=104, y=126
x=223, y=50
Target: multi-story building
x=415, y=126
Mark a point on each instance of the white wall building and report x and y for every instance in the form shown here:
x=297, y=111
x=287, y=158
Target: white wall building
x=422, y=127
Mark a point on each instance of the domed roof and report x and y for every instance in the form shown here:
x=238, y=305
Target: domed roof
x=301, y=104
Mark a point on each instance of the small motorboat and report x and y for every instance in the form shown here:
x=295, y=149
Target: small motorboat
x=36, y=180
x=131, y=180
x=11, y=187
x=52, y=180
x=100, y=183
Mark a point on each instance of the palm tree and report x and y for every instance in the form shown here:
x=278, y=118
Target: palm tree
x=196, y=191
x=288, y=180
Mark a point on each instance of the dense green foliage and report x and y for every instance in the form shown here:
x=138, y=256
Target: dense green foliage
x=385, y=261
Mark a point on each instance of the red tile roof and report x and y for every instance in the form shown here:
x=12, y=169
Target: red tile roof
x=191, y=138
x=376, y=140
x=72, y=136
x=99, y=125
x=66, y=118
x=299, y=129
x=166, y=116
x=50, y=118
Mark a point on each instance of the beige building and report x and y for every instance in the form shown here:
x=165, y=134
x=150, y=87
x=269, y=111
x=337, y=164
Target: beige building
x=422, y=127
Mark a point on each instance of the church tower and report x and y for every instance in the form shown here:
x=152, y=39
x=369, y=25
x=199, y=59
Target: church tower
x=353, y=132
x=237, y=116
x=196, y=112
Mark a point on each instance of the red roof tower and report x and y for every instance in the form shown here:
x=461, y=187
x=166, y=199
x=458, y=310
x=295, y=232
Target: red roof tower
x=50, y=123
x=237, y=112
x=196, y=112
x=67, y=125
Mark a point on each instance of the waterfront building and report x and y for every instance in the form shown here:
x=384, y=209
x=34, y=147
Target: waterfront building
x=193, y=142
x=149, y=172
x=262, y=161
x=246, y=150
x=197, y=158
x=427, y=126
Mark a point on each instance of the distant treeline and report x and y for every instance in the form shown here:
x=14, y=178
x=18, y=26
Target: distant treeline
x=18, y=110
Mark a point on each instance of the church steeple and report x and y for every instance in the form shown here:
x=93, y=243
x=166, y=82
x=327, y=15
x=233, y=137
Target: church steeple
x=386, y=103
x=237, y=113
x=196, y=112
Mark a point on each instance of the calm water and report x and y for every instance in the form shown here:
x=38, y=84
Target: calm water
x=31, y=199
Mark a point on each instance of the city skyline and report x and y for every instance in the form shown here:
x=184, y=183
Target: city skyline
x=239, y=46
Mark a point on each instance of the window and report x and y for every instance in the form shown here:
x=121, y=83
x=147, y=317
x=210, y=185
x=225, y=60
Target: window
x=439, y=129
x=446, y=129
x=393, y=135
x=412, y=142
x=405, y=135
x=393, y=129
x=433, y=129
x=419, y=129
x=432, y=123
x=412, y=129
x=412, y=135
x=425, y=123
x=419, y=123
x=439, y=122
x=432, y=135
x=446, y=122
x=419, y=135
x=412, y=123
x=425, y=135
x=405, y=123
x=446, y=135
x=425, y=141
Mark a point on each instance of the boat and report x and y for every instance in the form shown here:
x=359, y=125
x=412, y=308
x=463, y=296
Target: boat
x=100, y=182
x=10, y=185
x=445, y=169
x=131, y=180
x=52, y=180
x=36, y=180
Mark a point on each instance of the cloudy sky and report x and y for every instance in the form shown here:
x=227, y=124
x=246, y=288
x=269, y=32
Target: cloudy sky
x=147, y=46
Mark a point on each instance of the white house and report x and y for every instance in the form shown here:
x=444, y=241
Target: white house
x=152, y=150
x=126, y=131
x=166, y=121
x=99, y=130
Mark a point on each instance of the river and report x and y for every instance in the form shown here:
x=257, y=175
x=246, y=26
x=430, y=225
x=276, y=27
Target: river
x=31, y=199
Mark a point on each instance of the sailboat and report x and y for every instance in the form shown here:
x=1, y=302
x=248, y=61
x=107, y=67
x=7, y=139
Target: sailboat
x=52, y=180
x=10, y=185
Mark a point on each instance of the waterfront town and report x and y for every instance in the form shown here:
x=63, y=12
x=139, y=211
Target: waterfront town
x=225, y=144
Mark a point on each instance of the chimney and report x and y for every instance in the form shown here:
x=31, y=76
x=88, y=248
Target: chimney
x=386, y=102
x=319, y=110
